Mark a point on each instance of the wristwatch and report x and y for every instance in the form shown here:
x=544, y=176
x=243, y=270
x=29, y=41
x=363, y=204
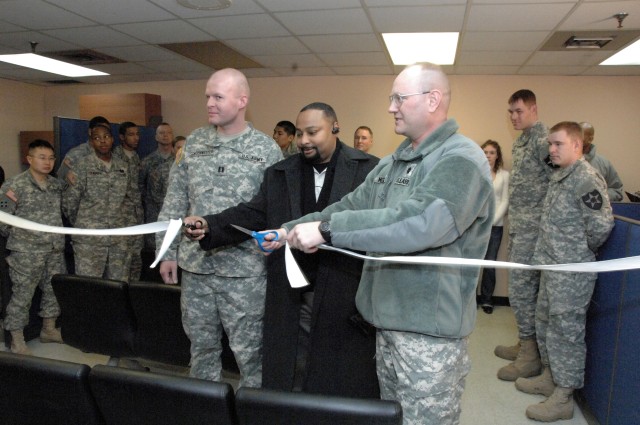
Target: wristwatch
x=325, y=231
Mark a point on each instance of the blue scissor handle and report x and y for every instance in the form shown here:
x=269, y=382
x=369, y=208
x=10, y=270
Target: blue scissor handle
x=259, y=236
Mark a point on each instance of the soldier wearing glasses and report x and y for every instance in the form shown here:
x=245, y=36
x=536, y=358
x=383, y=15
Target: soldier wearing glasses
x=104, y=193
x=35, y=256
x=432, y=197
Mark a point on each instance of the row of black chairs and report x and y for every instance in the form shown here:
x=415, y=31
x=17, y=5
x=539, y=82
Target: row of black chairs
x=53, y=392
x=118, y=319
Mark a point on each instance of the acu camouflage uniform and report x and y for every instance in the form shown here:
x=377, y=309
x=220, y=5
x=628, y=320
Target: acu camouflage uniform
x=576, y=220
x=290, y=150
x=224, y=286
x=135, y=216
x=527, y=188
x=72, y=157
x=153, y=180
x=35, y=256
x=102, y=198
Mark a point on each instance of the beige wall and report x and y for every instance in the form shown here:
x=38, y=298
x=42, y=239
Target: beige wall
x=21, y=108
x=611, y=104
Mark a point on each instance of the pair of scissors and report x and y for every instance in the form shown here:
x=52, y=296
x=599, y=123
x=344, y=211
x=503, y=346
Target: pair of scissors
x=258, y=236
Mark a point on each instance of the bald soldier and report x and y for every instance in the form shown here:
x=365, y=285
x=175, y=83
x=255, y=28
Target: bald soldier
x=222, y=165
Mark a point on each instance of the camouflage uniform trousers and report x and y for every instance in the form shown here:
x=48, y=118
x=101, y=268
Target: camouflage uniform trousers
x=135, y=244
x=211, y=302
x=108, y=262
x=27, y=271
x=425, y=374
x=523, y=284
x=151, y=216
x=561, y=317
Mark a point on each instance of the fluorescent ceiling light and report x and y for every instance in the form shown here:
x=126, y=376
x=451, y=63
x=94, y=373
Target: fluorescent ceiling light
x=630, y=55
x=409, y=48
x=42, y=63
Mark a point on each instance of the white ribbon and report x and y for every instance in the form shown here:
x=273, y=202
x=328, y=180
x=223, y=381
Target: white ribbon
x=172, y=227
x=295, y=275
x=628, y=263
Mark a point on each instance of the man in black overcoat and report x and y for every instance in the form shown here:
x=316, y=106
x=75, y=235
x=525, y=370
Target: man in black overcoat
x=314, y=338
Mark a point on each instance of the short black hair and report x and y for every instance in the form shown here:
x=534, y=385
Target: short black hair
x=39, y=143
x=125, y=126
x=326, y=109
x=98, y=120
x=288, y=127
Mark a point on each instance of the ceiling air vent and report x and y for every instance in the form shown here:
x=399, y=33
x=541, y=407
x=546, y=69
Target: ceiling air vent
x=574, y=42
x=62, y=82
x=83, y=57
x=579, y=41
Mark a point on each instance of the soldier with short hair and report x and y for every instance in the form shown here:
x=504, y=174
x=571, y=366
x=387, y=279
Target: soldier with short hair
x=129, y=134
x=576, y=220
x=154, y=177
x=527, y=188
x=102, y=198
x=35, y=257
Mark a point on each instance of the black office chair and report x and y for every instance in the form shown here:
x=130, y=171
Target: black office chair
x=132, y=397
x=37, y=391
x=257, y=407
x=96, y=315
x=160, y=335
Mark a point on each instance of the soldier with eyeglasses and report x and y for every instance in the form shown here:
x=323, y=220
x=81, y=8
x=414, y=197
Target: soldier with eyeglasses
x=432, y=197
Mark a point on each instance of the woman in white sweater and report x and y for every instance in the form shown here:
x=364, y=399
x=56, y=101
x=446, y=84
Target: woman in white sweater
x=500, y=177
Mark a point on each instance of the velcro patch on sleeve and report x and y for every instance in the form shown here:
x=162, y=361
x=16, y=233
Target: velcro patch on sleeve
x=593, y=200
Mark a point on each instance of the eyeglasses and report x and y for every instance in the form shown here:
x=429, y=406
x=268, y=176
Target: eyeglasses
x=397, y=99
x=101, y=138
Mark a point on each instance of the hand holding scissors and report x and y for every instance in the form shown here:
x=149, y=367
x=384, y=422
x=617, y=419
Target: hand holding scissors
x=259, y=236
x=195, y=227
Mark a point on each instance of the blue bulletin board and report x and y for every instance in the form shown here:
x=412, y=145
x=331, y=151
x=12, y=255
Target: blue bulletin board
x=70, y=132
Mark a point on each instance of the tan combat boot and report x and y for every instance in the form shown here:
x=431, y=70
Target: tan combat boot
x=507, y=352
x=542, y=384
x=527, y=363
x=558, y=406
x=49, y=332
x=18, y=345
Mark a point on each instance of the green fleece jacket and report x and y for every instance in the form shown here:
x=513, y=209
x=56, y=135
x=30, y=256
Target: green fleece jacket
x=434, y=201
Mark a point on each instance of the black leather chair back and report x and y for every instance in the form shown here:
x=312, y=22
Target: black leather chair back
x=37, y=391
x=96, y=314
x=257, y=407
x=160, y=335
x=133, y=397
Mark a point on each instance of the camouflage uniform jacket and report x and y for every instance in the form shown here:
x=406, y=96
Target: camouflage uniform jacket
x=23, y=197
x=137, y=215
x=72, y=157
x=434, y=201
x=152, y=181
x=576, y=216
x=605, y=168
x=290, y=149
x=212, y=176
x=529, y=178
x=101, y=198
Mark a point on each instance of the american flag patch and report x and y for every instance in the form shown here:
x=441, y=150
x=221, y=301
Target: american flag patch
x=11, y=195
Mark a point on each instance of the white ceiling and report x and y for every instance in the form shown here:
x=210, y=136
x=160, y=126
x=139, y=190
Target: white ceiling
x=309, y=37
